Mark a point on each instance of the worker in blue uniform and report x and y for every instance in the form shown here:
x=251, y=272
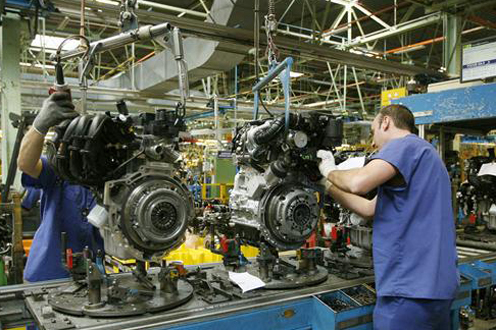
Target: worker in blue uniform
x=63, y=206
x=31, y=198
x=414, y=239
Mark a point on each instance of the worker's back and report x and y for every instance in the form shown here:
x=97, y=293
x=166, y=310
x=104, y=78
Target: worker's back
x=414, y=238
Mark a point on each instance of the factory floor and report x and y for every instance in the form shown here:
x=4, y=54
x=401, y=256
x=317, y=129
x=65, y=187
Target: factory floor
x=484, y=325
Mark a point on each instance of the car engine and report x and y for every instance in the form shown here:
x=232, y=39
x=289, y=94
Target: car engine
x=476, y=197
x=130, y=164
x=274, y=199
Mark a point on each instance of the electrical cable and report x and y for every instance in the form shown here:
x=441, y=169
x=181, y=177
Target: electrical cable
x=267, y=110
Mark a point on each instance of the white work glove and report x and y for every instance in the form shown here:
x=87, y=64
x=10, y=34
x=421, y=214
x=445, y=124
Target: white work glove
x=327, y=165
x=55, y=109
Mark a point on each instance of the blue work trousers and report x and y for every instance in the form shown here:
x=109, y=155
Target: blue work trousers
x=399, y=313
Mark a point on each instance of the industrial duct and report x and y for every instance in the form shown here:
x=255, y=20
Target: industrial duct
x=204, y=57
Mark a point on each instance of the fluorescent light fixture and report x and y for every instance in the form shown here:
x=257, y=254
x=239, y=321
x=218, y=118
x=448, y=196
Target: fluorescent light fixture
x=321, y=103
x=411, y=49
x=364, y=52
x=293, y=74
x=53, y=43
x=109, y=2
x=36, y=65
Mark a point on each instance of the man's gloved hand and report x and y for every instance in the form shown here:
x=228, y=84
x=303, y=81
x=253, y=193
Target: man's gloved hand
x=327, y=165
x=55, y=109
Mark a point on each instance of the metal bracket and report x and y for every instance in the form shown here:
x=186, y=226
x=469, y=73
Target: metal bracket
x=173, y=40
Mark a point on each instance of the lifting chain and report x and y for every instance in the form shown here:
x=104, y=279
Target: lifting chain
x=272, y=52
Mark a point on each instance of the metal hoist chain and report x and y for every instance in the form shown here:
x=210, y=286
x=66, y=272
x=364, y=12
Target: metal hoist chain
x=272, y=52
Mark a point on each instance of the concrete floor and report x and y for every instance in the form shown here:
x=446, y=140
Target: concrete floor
x=484, y=325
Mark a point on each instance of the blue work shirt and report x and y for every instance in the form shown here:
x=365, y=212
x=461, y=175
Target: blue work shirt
x=414, y=237
x=31, y=197
x=63, y=208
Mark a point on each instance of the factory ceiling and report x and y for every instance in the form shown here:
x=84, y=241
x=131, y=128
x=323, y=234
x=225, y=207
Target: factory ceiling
x=346, y=51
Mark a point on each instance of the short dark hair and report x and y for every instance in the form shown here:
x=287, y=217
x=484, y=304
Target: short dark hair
x=402, y=116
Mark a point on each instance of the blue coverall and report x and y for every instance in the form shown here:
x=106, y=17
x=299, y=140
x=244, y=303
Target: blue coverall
x=414, y=240
x=64, y=208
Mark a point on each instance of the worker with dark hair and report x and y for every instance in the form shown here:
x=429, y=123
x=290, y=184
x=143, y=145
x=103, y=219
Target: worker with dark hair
x=63, y=206
x=414, y=239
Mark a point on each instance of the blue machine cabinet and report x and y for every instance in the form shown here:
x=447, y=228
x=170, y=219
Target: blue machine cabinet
x=26, y=4
x=322, y=311
x=319, y=312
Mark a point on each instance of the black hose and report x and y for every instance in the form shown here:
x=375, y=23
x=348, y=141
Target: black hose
x=263, y=136
x=266, y=135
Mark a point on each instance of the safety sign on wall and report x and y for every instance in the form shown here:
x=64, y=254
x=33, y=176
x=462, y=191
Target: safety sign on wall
x=392, y=94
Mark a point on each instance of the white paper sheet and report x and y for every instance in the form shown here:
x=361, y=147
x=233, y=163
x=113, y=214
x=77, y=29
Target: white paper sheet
x=246, y=281
x=489, y=168
x=350, y=163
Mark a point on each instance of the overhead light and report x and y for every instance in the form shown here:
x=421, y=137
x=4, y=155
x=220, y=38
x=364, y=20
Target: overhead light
x=36, y=65
x=109, y=2
x=50, y=42
x=294, y=74
x=321, y=103
x=364, y=52
x=411, y=49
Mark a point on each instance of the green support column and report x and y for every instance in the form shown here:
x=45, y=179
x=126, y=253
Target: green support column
x=10, y=87
x=452, y=44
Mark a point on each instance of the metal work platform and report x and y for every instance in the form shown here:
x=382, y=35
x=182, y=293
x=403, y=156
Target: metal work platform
x=280, y=309
x=334, y=304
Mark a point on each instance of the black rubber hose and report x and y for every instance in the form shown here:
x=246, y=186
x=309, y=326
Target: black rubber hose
x=264, y=136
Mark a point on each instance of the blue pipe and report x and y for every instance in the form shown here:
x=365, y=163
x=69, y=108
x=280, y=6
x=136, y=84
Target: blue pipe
x=282, y=70
x=206, y=114
x=288, y=61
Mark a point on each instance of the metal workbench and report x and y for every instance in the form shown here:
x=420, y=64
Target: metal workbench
x=284, y=309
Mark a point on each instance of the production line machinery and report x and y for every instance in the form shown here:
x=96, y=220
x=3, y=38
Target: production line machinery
x=333, y=304
x=143, y=210
x=476, y=201
x=276, y=200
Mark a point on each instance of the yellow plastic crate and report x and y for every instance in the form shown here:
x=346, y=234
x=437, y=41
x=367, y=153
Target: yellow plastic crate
x=201, y=255
x=192, y=256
